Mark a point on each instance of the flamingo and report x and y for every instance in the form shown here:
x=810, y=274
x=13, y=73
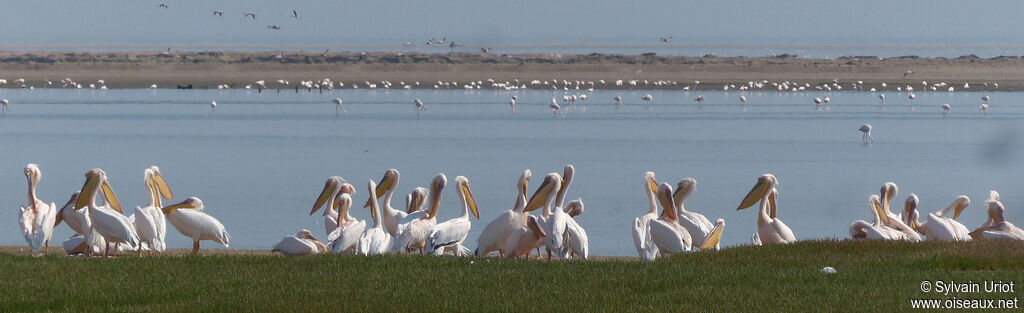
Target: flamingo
x=339, y=108
x=866, y=129
x=213, y=106
x=555, y=108
x=419, y=107
x=618, y=102
x=882, y=98
x=5, y=102
x=984, y=108
x=945, y=109
x=512, y=103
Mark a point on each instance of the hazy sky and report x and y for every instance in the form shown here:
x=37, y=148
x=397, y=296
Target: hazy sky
x=517, y=22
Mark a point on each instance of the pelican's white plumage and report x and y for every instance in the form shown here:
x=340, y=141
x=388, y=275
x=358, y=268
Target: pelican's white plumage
x=450, y=234
x=876, y=230
x=552, y=221
x=641, y=237
x=576, y=240
x=770, y=229
x=495, y=234
x=333, y=187
x=189, y=219
x=695, y=223
x=887, y=193
x=150, y=223
x=941, y=225
x=38, y=219
x=345, y=238
x=375, y=240
x=303, y=243
x=386, y=188
x=414, y=230
x=997, y=227
x=524, y=239
x=665, y=232
x=107, y=221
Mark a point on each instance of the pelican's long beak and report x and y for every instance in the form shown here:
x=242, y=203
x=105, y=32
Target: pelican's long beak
x=161, y=185
x=754, y=195
x=324, y=196
x=885, y=217
x=667, y=203
x=715, y=236
x=180, y=205
x=540, y=197
x=535, y=226
x=60, y=213
x=887, y=192
x=344, y=203
x=110, y=197
x=683, y=188
x=88, y=191
x=382, y=187
x=416, y=201
x=959, y=207
x=772, y=208
x=435, y=197
x=470, y=201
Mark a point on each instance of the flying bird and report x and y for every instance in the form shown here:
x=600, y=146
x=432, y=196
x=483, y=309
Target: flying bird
x=274, y=27
x=907, y=73
x=218, y=12
x=162, y=5
x=666, y=39
x=250, y=14
x=295, y=14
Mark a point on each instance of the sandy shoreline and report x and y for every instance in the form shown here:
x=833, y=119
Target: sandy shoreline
x=237, y=69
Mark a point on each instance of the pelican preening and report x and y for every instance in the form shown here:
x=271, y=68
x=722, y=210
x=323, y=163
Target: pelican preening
x=414, y=230
x=345, y=237
x=665, y=231
x=37, y=219
x=866, y=130
x=770, y=229
x=887, y=193
x=876, y=229
x=996, y=226
x=375, y=240
x=522, y=240
x=496, y=234
x=303, y=243
x=941, y=225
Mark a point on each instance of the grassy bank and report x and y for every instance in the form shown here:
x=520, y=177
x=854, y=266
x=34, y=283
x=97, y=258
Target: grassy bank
x=872, y=276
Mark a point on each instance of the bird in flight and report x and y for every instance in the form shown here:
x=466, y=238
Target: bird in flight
x=295, y=14
x=162, y=5
x=666, y=39
x=218, y=12
x=907, y=73
x=325, y=52
x=274, y=27
x=250, y=14
x=485, y=50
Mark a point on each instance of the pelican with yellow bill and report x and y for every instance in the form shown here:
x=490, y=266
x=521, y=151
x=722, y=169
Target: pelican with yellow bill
x=449, y=235
x=190, y=220
x=770, y=229
x=108, y=220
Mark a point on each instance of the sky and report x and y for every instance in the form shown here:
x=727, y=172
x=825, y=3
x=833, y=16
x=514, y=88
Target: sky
x=521, y=22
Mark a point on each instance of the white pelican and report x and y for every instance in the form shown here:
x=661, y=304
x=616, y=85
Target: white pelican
x=150, y=223
x=188, y=217
x=37, y=219
x=79, y=222
x=338, y=107
x=939, y=226
x=450, y=234
x=524, y=239
x=414, y=230
x=770, y=229
x=695, y=223
x=665, y=232
x=303, y=243
x=866, y=129
x=555, y=108
x=876, y=229
x=419, y=106
x=495, y=234
x=889, y=192
x=107, y=221
x=552, y=220
x=641, y=239
x=345, y=237
x=577, y=242
x=997, y=226
x=334, y=186
x=386, y=188
x=375, y=240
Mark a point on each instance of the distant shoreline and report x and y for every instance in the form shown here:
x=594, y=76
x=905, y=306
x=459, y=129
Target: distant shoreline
x=207, y=70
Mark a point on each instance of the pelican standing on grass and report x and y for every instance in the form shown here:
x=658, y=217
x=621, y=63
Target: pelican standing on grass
x=190, y=220
x=375, y=240
x=150, y=223
x=334, y=186
x=641, y=232
x=551, y=219
x=770, y=229
x=495, y=234
x=524, y=239
x=303, y=243
x=450, y=234
x=38, y=219
x=107, y=221
x=414, y=230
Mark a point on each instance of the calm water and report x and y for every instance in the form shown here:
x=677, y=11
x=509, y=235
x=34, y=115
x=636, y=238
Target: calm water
x=260, y=160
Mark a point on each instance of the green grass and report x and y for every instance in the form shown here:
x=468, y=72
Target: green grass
x=872, y=276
